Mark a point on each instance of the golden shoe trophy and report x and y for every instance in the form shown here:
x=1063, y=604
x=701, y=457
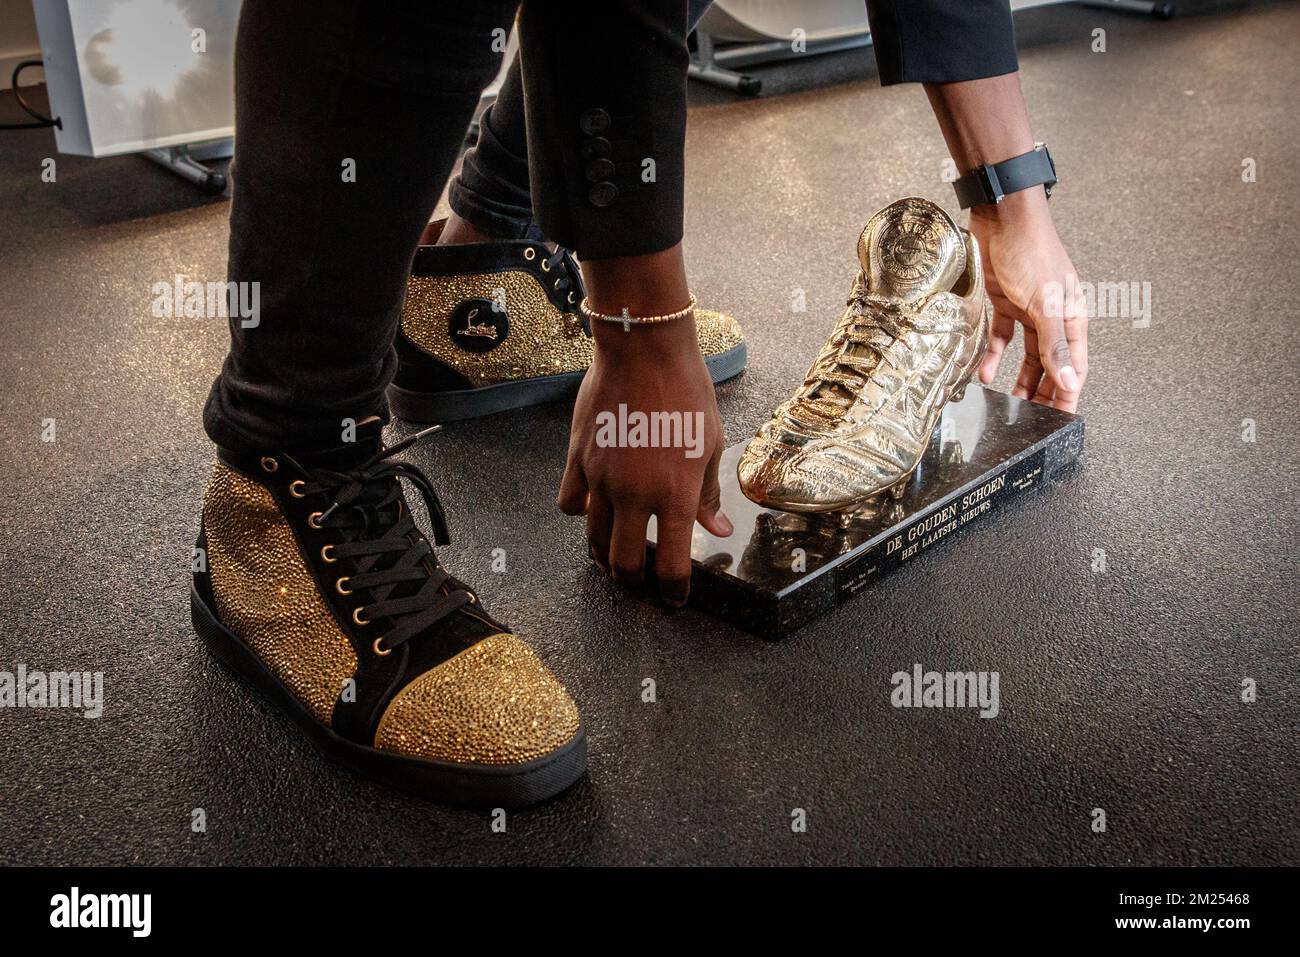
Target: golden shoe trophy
x=915, y=329
x=883, y=452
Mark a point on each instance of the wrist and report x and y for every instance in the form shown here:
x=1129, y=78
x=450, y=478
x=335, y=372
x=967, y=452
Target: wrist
x=1026, y=208
x=649, y=285
x=653, y=343
x=983, y=121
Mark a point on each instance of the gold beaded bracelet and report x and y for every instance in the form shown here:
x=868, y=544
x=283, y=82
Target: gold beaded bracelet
x=629, y=321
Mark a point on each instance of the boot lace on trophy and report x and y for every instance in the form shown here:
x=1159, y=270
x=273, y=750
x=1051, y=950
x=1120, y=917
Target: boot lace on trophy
x=871, y=324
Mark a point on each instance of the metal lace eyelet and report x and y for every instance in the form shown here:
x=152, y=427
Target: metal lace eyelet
x=546, y=265
x=339, y=586
x=359, y=618
x=296, y=488
x=572, y=300
x=557, y=284
x=473, y=598
x=314, y=519
x=381, y=652
x=269, y=464
x=327, y=553
x=530, y=253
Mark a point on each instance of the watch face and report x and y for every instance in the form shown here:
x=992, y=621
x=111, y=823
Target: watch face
x=478, y=325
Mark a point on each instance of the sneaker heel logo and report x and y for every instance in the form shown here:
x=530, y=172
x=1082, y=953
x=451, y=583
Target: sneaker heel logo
x=910, y=250
x=476, y=326
x=477, y=329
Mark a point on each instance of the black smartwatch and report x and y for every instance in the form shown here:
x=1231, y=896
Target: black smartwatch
x=992, y=182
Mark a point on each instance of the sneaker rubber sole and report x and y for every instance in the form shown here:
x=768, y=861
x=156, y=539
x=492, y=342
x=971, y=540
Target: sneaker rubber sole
x=455, y=405
x=477, y=786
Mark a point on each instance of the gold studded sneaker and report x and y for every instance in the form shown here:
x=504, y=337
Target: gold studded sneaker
x=312, y=580
x=493, y=326
x=915, y=329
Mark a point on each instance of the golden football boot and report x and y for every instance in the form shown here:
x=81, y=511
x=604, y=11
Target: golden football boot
x=915, y=329
x=312, y=580
x=493, y=326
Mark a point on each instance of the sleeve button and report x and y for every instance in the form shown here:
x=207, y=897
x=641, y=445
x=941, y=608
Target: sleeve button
x=594, y=122
x=599, y=169
x=595, y=148
x=603, y=194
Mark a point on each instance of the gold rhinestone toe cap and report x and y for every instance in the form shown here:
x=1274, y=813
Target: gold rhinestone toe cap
x=494, y=703
x=717, y=331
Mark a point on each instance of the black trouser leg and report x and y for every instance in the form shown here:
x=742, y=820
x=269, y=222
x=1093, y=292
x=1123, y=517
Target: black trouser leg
x=325, y=88
x=491, y=190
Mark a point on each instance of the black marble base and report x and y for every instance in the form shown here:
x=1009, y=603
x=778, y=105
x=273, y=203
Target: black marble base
x=780, y=570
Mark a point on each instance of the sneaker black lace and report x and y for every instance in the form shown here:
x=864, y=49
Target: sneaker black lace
x=394, y=565
x=568, y=280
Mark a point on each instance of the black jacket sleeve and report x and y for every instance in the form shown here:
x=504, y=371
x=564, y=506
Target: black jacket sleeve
x=605, y=103
x=942, y=41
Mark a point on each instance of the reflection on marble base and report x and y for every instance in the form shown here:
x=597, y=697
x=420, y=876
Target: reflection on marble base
x=780, y=570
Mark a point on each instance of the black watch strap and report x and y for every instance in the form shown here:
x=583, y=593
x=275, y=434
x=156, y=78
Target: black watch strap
x=993, y=181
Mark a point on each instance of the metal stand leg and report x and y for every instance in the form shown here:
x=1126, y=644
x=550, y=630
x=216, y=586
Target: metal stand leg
x=705, y=67
x=181, y=161
x=711, y=65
